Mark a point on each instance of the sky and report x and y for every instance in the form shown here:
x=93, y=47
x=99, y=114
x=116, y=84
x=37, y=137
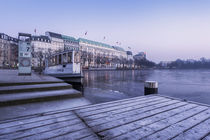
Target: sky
x=165, y=29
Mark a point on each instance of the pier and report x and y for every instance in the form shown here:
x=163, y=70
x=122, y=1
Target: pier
x=145, y=117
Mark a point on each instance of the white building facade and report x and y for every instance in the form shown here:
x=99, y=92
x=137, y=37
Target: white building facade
x=41, y=47
x=57, y=42
x=97, y=54
x=93, y=54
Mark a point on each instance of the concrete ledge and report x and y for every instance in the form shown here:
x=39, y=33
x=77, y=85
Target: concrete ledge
x=11, y=76
x=33, y=88
x=22, y=98
x=29, y=83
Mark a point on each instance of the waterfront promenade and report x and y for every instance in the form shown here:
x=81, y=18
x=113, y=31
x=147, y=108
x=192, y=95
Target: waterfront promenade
x=145, y=117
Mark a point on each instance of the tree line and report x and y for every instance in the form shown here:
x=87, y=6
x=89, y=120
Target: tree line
x=187, y=64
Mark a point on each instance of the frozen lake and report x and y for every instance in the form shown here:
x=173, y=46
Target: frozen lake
x=102, y=86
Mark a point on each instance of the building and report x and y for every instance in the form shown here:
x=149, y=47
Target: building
x=129, y=55
x=93, y=53
x=70, y=43
x=140, y=56
x=97, y=54
x=41, y=47
x=49, y=43
x=8, y=51
x=57, y=42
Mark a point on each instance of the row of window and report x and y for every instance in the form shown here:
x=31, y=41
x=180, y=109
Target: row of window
x=71, y=42
x=40, y=39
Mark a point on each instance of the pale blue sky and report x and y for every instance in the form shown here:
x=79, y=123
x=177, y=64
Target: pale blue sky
x=164, y=29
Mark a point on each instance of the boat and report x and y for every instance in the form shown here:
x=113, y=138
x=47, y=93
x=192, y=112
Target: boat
x=65, y=65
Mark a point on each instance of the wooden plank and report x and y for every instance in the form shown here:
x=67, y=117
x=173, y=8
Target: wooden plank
x=84, y=133
x=179, y=127
x=84, y=114
x=69, y=109
x=124, y=110
x=148, y=117
x=124, y=121
x=122, y=113
x=36, y=124
x=114, y=103
x=108, y=134
x=57, y=132
x=146, y=130
x=197, y=132
x=207, y=137
x=33, y=119
x=26, y=117
x=91, y=137
x=37, y=130
x=110, y=103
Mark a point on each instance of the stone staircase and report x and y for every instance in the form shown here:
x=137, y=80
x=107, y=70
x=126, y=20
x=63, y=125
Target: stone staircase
x=22, y=93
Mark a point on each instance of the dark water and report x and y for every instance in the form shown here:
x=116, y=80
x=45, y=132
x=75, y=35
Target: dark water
x=102, y=86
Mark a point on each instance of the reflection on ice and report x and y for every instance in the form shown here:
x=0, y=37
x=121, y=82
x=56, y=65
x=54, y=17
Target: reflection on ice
x=101, y=86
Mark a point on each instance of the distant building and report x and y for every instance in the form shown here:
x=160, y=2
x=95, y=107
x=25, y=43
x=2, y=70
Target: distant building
x=93, y=53
x=70, y=43
x=140, y=56
x=97, y=54
x=8, y=51
x=41, y=47
x=49, y=43
x=57, y=42
x=129, y=55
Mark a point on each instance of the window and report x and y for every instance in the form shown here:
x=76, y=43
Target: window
x=70, y=57
x=56, y=59
x=65, y=58
x=59, y=59
x=77, y=57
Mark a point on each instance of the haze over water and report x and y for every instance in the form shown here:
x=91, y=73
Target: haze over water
x=193, y=85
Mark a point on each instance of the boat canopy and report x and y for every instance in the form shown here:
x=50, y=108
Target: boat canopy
x=62, y=58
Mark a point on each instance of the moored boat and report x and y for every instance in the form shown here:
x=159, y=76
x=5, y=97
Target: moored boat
x=66, y=66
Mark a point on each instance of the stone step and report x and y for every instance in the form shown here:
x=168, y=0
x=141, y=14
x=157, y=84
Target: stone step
x=28, y=83
x=34, y=87
x=29, y=97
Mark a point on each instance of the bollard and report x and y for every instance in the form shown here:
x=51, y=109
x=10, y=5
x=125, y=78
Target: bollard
x=150, y=87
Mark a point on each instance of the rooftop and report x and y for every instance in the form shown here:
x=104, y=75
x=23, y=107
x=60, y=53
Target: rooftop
x=118, y=48
x=129, y=53
x=7, y=37
x=60, y=36
x=56, y=35
x=69, y=38
x=141, y=54
x=100, y=44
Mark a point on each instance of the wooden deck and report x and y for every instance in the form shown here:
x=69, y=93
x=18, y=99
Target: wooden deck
x=146, y=117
